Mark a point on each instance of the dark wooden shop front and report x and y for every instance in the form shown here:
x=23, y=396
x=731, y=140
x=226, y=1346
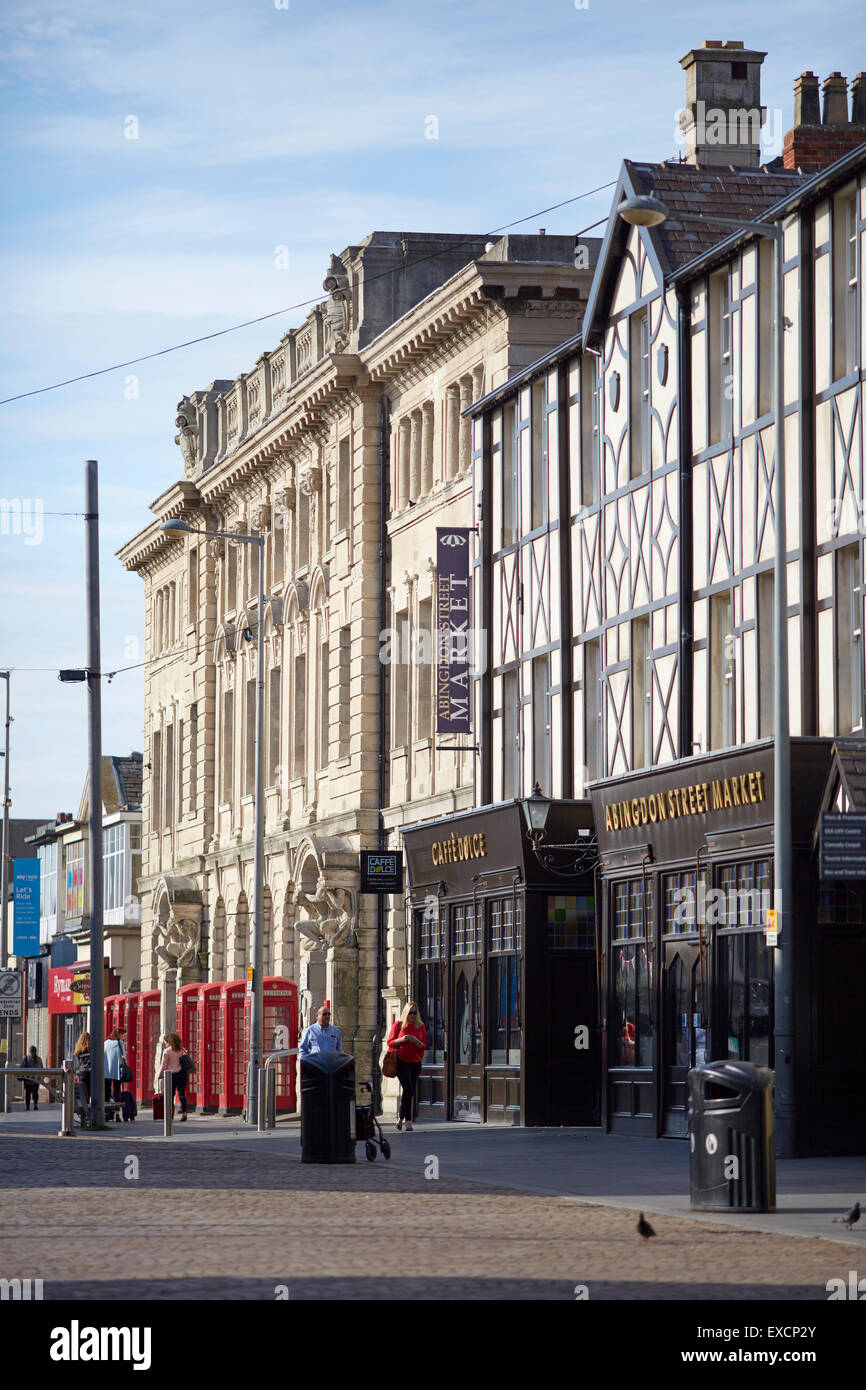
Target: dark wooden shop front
x=686, y=876
x=503, y=964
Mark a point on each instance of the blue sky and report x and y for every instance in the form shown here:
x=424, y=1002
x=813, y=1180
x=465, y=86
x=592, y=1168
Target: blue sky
x=259, y=127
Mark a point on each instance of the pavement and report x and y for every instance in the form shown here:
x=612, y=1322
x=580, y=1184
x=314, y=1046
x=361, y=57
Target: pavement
x=221, y=1212
x=587, y=1165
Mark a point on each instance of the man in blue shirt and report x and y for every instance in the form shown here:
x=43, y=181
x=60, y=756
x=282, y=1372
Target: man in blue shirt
x=320, y=1036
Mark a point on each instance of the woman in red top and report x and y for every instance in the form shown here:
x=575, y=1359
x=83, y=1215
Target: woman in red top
x=408, y=1038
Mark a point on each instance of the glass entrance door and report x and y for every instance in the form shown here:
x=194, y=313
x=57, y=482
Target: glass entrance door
x=684, y=1030
x=467, y=1052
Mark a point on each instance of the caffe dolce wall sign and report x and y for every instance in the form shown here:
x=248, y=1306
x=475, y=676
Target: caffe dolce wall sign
x=457, y=848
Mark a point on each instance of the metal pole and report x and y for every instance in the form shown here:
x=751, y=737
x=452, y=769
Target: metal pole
x=94, y=738
x=257, y=997
x=782, y=853
x=4, y=892
x=168, y=1105
x=67, y=1129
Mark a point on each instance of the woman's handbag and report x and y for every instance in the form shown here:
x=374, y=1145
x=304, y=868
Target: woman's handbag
x=186, y=1063
x=125, y=1071
x=389, y=1064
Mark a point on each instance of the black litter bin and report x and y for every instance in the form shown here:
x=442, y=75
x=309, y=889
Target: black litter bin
x=731, y=1140
x=328, y=1108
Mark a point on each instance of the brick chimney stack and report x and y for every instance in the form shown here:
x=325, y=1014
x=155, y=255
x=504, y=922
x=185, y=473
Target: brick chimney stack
x=819, y=139
x=723, y=116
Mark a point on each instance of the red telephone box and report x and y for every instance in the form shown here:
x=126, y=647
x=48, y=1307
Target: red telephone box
x=189, y=1027
x=121, y=1011
x=231, y=1053
x=280, y=1031
x=206, y=1075
x=115, y=1013
x=198, y=1020
x=147, y=1042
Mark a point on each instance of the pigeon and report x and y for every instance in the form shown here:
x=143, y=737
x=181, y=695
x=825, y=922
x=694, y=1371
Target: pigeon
x=851, y=1217
x=644, y=1229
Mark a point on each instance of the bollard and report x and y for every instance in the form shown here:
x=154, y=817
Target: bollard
x=168, y=1105
x=262, y=1107
x=67, y=1130
x=267, y=1089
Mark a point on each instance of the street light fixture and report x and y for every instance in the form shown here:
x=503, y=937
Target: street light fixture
x=179, y=527
x=582, y=853
x=650, y=212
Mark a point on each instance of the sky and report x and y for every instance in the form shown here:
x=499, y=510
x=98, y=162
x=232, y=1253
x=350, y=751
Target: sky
x=172, y=170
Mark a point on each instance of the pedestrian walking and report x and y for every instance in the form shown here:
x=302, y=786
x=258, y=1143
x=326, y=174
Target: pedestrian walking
x=31, y=1088
x=114, y=1053
x=408, y=1038
x=81, y=1064
x=321, y=1036
x=172, y=1061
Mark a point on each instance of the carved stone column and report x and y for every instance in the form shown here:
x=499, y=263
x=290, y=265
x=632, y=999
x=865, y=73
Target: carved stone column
x=168, y=982
x=415, y=483
x=427, y=448
x=452, y=430
x=403, y=461
x=465, y=425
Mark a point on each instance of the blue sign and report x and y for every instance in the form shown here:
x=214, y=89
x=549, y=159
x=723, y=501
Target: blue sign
x=25, y=929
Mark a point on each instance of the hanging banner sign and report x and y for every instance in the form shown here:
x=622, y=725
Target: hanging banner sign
x=25, y=912
x=452, y=630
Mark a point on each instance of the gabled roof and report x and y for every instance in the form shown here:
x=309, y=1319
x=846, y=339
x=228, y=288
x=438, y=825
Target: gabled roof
x=121, y=786
x=746, y=194
x=848, y=771
x=740, y=193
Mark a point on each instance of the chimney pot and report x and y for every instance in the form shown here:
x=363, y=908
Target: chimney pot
x=858, y=100
x=735, y=43
x=835, y=108
x=807, y=108
x=712, y=43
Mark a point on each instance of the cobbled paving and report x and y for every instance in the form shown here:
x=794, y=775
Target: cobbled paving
x=209, y=1223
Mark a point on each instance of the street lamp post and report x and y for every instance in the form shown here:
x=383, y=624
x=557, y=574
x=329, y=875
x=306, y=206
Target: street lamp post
x=182, y=528
x=650, y=212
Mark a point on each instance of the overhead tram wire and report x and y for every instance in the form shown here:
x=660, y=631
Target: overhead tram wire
x=302, y=304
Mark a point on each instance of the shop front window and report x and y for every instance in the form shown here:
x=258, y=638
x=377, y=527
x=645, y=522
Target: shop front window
x=430, y=930
x=684, y=903
x=505, y=924
x=633, y=1042
x=570, y=922
x=504, y=977
x=430, y=998
x=464, y=931
x=746, y=997
x=745, y=895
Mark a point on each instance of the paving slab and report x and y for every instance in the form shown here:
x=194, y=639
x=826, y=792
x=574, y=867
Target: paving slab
x=583, y=1165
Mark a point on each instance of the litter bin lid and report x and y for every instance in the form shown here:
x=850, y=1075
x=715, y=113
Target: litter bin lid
x=743, y=1075
x=327, y=1061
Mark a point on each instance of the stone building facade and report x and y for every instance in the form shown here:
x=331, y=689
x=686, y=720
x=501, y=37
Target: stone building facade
x=346, y=446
